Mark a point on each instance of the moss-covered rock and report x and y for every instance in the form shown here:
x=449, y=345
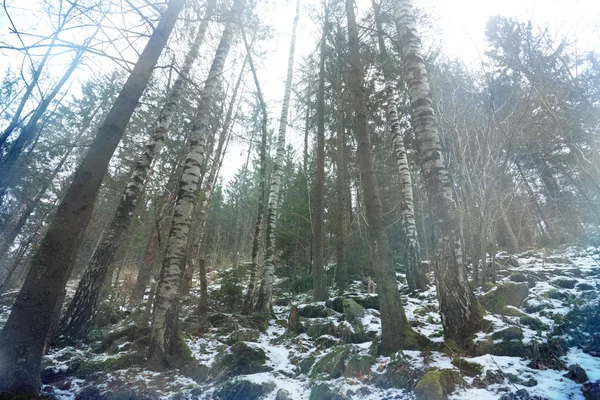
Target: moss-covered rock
x=306, y=364
x=437, y=385
x=449, y=380
x=242, y=335
x=399, y=374
x=512, y=333
x=466, y=367
x=369, y=301
x=507, y=294
x=358, y=366
x=243, y=390
x=335, y=304
x=239, y=359
x=90, y=367
x=354, y=311
x=322, y=391
x=517, y=277
x=429, y=387
x=332, y=364
x=564, y=283
x=316, y=330
x=534, y=323
x=313, y=311
x=584, y=287
x=510, y=311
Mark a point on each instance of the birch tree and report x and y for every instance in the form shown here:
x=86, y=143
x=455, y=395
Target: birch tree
x=266, y=285
x=79, y=315
x=461, y=313
x=395, y=331
x=23, y=337
x=248, y=306
x=415, y=277
x=163, y=351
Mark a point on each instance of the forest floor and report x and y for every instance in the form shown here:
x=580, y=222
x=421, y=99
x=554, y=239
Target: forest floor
x=543, y=314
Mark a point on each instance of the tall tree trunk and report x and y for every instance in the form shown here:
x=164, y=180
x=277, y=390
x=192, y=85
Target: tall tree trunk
x=153, y=245
x=318, y=271
x=263, y=303
x=22, y=339
x=81, y=310
x=460, y=311
x=342, y=201
x=164, y=346
x=396, y=333
x=248, y=306
x=193, y=251
x=412, y=260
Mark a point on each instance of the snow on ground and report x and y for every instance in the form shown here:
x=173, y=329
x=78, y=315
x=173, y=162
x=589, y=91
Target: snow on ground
x=547, y=301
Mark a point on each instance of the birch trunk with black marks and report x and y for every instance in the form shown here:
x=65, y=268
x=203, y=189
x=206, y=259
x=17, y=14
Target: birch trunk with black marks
x=193, y=252
x=153, y=246
x=80, y=313
x=396, y=333
x=248, y=306
x=461, y=313
x=163, y=351
x=24, y=334
x=415, y=277
x=318, y=271
x=263, y=303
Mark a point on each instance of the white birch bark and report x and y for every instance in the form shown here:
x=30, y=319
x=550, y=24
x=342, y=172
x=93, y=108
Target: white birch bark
x=460, y=311
x=248, y=306
x=197, y=241
x=266, y=284
x=82, y=308
x=414, y=276
x=165, y=317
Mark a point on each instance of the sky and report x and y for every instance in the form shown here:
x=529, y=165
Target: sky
x=457, y=25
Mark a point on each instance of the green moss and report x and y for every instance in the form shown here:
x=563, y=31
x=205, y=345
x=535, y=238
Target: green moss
x=323, y=392
x=508, y=294
x=517, y=277
x=353, y=311
x=331, y=364
x=429, y=387
x=358, y=366
x=239, y=359
x=564, y=283
x=306, y=364
x=399, y=374
x=512, y=333
x=512, y=312
x=90, y=367
x=244, y=390
x=449, y=380
x=466, y=367
x=534, y=323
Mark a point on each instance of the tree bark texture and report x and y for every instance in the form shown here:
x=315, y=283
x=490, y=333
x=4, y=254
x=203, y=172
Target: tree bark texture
x=461, y=313
x=163, y=343
x=318, y=271
x=395, y=331
x=248, y=306
x=415, y=277
x=263, y=303
x=22, y=339
x=81, y=310
x=193, y=252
